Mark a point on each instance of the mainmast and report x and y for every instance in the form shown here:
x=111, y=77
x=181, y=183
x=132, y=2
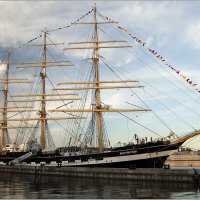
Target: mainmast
x=97, y=91
x=43, y=102
x=96, y=84
x=5, y=104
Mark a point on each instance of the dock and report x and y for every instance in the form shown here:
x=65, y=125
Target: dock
x=189, y=176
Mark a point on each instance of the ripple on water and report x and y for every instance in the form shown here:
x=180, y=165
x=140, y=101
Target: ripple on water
x=26, y=186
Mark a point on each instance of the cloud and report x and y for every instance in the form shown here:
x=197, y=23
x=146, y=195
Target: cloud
x=192, y=34
x=20, y=26
x=33, y=17
x=160, y=24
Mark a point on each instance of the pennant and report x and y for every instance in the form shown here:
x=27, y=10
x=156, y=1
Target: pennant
x=159, y=57
x=154, y=52
x=144, y=44
x=183, y=76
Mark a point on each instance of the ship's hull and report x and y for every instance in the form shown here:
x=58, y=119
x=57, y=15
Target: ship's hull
x=150, y=160
x=142, y=156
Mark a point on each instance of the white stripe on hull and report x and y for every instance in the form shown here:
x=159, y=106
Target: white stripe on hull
x=107, y=160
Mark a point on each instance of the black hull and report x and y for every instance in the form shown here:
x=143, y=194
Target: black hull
x=148, y=155
x=132, y=164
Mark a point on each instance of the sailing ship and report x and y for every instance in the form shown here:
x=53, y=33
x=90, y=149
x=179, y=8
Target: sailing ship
x=94, y=149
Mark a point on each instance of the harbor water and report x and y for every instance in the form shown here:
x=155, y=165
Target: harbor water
x=15, y=186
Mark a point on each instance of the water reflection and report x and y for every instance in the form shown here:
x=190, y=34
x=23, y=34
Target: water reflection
x=26, y=186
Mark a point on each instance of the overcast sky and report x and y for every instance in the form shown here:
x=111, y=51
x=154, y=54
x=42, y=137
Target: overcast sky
x=170, y=27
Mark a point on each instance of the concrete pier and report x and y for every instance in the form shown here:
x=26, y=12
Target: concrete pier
x=190, y=176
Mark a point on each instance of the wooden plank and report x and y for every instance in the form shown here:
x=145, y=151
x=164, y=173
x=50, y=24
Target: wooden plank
x=11, y=107
x=100, y=41
x=100, y=110
x=99, y=47
x=14, y=127
x=14, y=79
x=53, y=65
x=100, y=87
x=45, y=95
x=111, y=22
x=95, y=82
x=33, y=100
x=38, y=62
x=52, y=118
x=2, y=111
x=11, y=82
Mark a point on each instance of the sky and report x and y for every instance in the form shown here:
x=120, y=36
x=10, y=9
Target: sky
x=170, y=27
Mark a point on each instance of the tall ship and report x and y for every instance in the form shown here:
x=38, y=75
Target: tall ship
x=74, y=107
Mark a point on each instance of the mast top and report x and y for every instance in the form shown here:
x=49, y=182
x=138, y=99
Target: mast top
x=95, y=5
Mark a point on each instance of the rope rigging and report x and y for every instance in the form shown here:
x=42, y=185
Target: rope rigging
x=139, y=98
x=76, y=128
x=159, y=74
x=155, y=53
x=122, y=71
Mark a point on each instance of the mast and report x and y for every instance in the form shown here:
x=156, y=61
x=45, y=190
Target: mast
x=96, y=84
x=42, y=96
x=5, y=104
x=97, y=91
x=43, y=102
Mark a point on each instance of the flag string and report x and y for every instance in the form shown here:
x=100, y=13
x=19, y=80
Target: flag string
x=155, y=53
x=72, y=23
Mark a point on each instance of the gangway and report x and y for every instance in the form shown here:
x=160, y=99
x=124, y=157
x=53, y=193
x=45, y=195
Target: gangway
x=18, y=160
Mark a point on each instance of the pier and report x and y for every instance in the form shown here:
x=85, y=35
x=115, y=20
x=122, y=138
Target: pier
x=189, y=176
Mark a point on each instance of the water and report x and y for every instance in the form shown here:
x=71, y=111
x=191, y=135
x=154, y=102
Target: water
x=14, y=186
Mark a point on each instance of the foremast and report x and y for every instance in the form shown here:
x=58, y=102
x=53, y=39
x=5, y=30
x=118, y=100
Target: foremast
x=42, y=96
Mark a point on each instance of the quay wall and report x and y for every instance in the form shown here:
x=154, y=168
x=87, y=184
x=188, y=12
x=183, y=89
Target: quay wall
x=190, y=176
